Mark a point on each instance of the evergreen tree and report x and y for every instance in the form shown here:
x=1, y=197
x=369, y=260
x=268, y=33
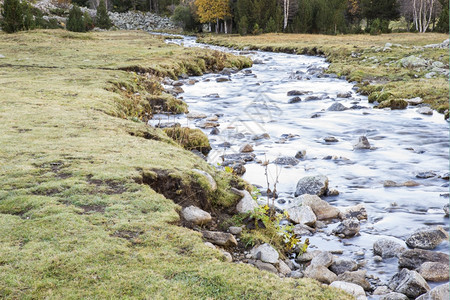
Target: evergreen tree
x=243, y=25
x=12, y=16
x=443, y=23
x=75, y=21
x=271, y=26
x=184, y=17
x=102, y=19
x=28, y=18
x=380, y=9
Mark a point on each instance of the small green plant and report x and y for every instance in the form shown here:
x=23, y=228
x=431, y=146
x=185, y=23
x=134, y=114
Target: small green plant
x=102, y=19
x=293, y=241
x=255, y=193
x=16, y=16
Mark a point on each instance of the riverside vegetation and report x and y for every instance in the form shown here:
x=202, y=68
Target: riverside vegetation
x=373, y=62
x=79, y=208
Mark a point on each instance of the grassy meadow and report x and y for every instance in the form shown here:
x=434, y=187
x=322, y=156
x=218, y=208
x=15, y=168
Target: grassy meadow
x=375, y=70
x=79, y=216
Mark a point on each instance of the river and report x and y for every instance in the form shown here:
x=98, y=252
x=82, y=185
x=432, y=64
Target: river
x=404, y=143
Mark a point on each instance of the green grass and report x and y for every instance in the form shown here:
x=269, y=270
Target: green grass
x=76, y=219
x=370, y=65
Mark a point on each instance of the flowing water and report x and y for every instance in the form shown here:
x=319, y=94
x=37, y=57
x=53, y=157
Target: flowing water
x=404, y=143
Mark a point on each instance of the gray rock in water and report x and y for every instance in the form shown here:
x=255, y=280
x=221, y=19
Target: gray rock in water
x=312, y=98
x=302, y=215
x=348, y=227
x=258, y=61
x=320, y=273
x=363, y=143
x=351, y=288
x=220, y=238
x=308, y=256
x=196, y=215
x=425, y=175
x=337, y=107
x=434, y=271
x=297, y=93
x=323, y=259
x=357, y=211
x=247, y=204
x=427, y=237
x=409, y=283
x=330, y=139
x=322, y=209
x=290, y=161
x=344, y=95
x=294, y=100
x=425, y=111
x=302, y=230
x=222, y=79
x=394, y=296
x=312, y=185
x=356, y=277
x=414, y=101
x=446, y=209
x=342, y=265
x=440, y=292
x=387, y=248
x=246, y=148
x=265, y=253
x=214, y=131
x=414, y=258
x=300, y=154
x=265, y=267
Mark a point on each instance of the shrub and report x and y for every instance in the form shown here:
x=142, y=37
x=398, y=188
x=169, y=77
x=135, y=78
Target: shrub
x=76, y=22
x=12, y=16
x=102, y=19
x=183, y=17
x=88, y=22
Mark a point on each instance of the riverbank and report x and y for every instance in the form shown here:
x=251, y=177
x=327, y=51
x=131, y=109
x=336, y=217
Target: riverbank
x=78, y=215
x=386, y=67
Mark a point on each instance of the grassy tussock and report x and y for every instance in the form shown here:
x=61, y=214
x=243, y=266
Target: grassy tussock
x=370, y=65
x=77, y=221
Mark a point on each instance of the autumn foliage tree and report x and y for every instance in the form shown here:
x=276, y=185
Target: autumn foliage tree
x=213, y=11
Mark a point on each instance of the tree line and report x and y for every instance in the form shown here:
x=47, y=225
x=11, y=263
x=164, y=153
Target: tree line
x=312, y=16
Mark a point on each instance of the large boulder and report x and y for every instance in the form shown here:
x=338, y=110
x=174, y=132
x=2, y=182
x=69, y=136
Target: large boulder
x=347, y=228
x=265, y=253
x=413, y=62
x=320, y=273
x=427, y=237
x=414, y=258
x=394, y=296
x=342, y=265
x=312, y=185
x=302, y=215
x=409, y=283
x=387, y=248
x=434, y=271
x=356, y=277
x=323, y=259
x=440, y=292
x=195, y=215
x=351, y=288
x=322, y=209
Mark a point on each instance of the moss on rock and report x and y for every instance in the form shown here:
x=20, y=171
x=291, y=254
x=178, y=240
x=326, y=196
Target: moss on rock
x=393, y=104
x=190, y=139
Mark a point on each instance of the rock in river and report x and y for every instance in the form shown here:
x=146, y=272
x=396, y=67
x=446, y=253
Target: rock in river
x=320, y=273
x=312, y=185
x=357, y=211
x=427, y=238
x=409, y=283
x=363, y=143
x=302, y=215
x=440, y=292
x=348, y=227
x=290, y=161
x=323, y=259
x=337, y=107
x=246, y=148
x=414, y=258
x=342, y=265
x=322, y=209
x=434, y=271
x=387, y=248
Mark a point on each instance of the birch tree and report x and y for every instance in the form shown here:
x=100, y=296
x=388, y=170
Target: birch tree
x=213, y=11
x=423, y=13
